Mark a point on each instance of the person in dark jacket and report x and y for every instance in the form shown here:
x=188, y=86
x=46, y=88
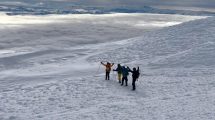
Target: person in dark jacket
x=108, y=69
x=119, y=71
x=125, y=75
x=135, y=75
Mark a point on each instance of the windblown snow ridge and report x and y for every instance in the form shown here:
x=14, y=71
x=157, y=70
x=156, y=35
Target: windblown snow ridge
x=189, y=46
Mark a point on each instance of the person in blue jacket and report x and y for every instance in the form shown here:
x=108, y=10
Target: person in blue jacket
x=125, y=75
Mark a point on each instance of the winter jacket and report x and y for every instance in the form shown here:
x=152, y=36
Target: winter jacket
x=108, y=66
x=119, y=70
x=125, y=71
x=135, y=74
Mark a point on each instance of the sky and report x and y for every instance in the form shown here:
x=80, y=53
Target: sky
x=209, y=4
x=189, y=3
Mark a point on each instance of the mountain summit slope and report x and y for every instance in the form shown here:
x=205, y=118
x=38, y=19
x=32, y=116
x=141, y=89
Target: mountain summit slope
x=186, y=46
x=176, y=81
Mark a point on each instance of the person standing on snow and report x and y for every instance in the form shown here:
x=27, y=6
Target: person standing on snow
x=125, y=75
x=108, y=69
x=135, y=76
x=119, y=71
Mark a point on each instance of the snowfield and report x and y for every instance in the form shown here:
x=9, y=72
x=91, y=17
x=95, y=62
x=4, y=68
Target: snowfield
x=50, y=69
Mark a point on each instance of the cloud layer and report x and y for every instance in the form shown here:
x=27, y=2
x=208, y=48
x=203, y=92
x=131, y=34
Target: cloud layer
x=109, y=3
x=187, y=3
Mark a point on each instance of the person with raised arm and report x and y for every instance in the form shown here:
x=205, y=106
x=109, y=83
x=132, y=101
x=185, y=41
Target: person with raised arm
x=119, y=72
x=135, y=75
x=125, y=74
x=107, y=69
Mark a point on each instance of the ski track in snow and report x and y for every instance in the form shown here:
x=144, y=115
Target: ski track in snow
x=65, y=83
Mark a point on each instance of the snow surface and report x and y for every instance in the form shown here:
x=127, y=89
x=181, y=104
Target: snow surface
x=50, y=69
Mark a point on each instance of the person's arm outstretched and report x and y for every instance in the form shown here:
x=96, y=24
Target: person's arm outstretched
x=103, y=63
x=112, y=64
x=129, y=70
x=117, y=69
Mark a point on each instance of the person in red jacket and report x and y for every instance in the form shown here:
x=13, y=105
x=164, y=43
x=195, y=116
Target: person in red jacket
x=108, y=69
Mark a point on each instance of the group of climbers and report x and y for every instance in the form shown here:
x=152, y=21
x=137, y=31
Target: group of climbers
x=123, y=73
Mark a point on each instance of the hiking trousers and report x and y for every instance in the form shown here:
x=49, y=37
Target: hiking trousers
x=126, y=81
x=133, y=83
x=107, y=76
x=119, y=77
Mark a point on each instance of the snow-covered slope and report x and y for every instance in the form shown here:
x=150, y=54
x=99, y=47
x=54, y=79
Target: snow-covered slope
x=189, y=45
x=62, y=82
x=177, y=71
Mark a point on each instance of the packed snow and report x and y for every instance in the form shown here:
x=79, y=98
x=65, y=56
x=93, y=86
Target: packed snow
x=50, y=67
